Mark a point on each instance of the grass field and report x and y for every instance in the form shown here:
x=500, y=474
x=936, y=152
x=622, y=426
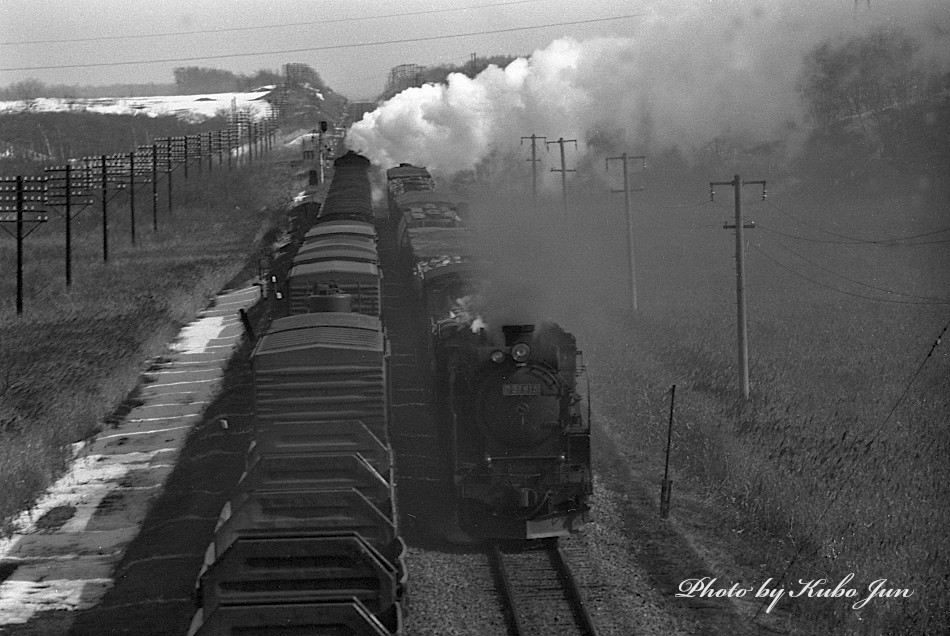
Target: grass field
x=75, y=353
x=841, y=450
x=837, y=464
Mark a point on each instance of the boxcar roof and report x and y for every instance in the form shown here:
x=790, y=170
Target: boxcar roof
x=325, y=319
x=345, y=250
x=416, y=197
x=320, y=336
x=360, y=229
x=406, y=170
x=334, y=254
x=359, y=243
x=329, y=267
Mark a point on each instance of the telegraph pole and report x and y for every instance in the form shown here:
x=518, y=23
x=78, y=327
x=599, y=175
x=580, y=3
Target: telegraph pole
x=534, y=164
x=626, y=210
x=563, y=169
x=105, y=211
x=743, y=335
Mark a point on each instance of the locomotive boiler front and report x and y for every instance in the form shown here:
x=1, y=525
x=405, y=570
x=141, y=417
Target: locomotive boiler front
x=528, y=473
x=520, y=402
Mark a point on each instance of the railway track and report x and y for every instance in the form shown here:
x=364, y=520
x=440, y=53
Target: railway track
x=538, y=590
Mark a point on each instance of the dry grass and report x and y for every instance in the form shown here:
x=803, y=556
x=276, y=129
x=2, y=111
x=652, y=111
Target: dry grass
x=74, y=354
x=814, y=464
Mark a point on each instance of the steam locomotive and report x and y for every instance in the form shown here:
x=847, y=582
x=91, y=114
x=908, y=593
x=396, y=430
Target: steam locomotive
x=512, y=419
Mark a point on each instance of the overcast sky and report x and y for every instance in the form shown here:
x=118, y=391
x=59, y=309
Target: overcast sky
x=106, y=41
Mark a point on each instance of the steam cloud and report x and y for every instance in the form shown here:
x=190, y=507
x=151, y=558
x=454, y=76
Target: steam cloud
x=690, y=73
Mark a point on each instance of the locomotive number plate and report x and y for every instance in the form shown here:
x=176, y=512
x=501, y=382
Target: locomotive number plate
x=521, y=389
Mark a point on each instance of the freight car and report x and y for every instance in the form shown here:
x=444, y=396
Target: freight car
x=350, y=196
x=309, y=542
x=339, y=255
x=513, y=421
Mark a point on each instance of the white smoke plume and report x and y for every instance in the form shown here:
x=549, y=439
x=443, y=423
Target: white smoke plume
x=691, y=72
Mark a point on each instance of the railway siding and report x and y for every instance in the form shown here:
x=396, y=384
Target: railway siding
x=65, y=550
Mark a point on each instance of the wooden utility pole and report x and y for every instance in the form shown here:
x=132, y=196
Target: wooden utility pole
x=169, y=167
x=534, y=164
x=739, y=225
x=26, y=194
x=563, y=169
x=626, y=211
x=66, y=190
x=105, y=210
x=131, y=187
x=69, y=223
x=155, y=186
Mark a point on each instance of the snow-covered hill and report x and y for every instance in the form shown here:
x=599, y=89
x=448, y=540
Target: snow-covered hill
x=191, y=108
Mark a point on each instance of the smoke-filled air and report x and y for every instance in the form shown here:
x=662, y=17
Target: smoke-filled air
x=691, y=72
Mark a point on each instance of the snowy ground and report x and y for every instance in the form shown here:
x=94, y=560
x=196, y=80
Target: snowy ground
x=189, y=107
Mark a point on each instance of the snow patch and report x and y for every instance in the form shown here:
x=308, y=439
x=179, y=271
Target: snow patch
x=195, y=336
x=189, y=107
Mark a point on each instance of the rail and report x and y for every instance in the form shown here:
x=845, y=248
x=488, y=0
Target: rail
x=539, y=594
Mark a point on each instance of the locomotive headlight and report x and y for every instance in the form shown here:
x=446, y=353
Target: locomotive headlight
x=497, y=356
x=520, y=352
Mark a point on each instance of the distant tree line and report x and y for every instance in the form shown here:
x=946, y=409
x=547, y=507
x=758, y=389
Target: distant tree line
x=297, y=74
x=866, y=74
x=29, y=140
x=188, y=80
x=32, y=88
x=878, y=107
x=197, y=79
x=410, y=75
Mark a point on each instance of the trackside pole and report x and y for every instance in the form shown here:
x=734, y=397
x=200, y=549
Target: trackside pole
x=631, y=262
x=740, y=224
x=667, y=486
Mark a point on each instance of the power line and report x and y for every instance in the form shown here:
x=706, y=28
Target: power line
x=846, y=480
x=852, y=238
x=324, y=48
x=270, y=26
x=857, y=282
x=860, y=242
x=841, y=291
x=685, y=206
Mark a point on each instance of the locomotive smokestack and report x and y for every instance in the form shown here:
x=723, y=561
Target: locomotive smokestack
x=517, y=333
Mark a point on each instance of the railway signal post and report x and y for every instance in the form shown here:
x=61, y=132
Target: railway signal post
x=626, y=210
x=737, y=184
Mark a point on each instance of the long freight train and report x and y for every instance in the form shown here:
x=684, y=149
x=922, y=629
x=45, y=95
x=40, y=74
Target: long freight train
x=309, y=541
x=513, y=420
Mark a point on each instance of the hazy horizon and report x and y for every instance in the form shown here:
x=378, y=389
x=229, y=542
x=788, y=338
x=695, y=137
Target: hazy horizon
x=353, y=45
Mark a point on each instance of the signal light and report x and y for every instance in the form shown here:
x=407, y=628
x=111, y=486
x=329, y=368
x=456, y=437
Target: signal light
x=497, y=356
